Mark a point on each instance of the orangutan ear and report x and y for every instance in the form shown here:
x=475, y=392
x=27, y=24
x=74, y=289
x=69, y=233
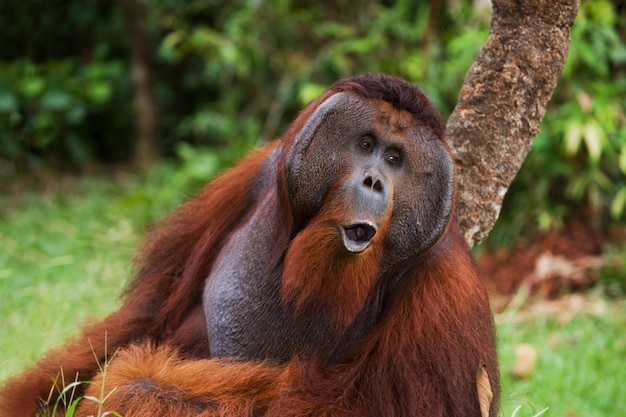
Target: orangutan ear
x=294, y=159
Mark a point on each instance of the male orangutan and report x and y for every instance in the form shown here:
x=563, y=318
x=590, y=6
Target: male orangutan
x=321, y=276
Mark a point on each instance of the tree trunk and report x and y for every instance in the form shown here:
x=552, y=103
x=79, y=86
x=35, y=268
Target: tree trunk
x=502, y=103
x=145, y=104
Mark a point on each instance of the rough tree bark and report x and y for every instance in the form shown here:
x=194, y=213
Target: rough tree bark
x=145, y=104
x=503, y=101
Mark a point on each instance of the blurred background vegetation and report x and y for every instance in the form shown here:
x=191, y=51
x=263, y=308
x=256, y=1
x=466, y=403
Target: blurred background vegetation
x=227, y=75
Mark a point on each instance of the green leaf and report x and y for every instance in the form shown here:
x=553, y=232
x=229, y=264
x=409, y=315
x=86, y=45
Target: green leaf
x=8, y=103
x=99, y=92
x=72, y=408
x=618, y=204
x=309, y=92
x=594, y=137
x=573, y=136
x=32, y=86
x=56, y=101
x=622, y=159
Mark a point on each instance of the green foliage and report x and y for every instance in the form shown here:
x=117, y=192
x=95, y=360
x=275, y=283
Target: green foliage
x=52, y=30
x=231, y=75
x=169, y=183
x=223, y=80
x=613, y=276
x=64, y=89
x=58, y=110
x=242, y=81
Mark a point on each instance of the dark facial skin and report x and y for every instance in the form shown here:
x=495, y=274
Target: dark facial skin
x=358, y=136
x=380, y=169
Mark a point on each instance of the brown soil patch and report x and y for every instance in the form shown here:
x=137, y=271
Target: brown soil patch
x=555, y=262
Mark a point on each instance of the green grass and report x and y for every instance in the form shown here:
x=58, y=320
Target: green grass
x=581, y=367
x=65, y=257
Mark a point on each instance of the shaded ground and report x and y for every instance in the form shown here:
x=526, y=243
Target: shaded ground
x=555, y=263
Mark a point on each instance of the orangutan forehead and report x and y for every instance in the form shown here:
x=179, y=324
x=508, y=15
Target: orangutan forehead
x=385, y=116
x=392, y=120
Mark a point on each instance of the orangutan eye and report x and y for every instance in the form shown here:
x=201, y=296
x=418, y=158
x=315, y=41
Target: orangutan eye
x=366, y=142
x=393, y=157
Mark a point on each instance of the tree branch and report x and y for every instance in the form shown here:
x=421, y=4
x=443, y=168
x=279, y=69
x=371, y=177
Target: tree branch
x=145, y=102
x=502, y=103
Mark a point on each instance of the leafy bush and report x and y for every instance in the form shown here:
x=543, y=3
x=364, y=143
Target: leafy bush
x=242, y=81
x=61, y=110
x=226, y=82
x=64, y=91
x=222, y=79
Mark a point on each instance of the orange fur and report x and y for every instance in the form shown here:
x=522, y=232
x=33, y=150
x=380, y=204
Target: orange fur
x=174, y=263
x=148, y=381
x=389, y=373
x=319, y=272
x=335, y=282
x=426, y=331
x=184, y=245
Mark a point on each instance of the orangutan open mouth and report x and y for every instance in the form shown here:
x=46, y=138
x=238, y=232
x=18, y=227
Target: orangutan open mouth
x=358, y=236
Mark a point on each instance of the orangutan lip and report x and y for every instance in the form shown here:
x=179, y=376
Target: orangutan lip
x=358, y=236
